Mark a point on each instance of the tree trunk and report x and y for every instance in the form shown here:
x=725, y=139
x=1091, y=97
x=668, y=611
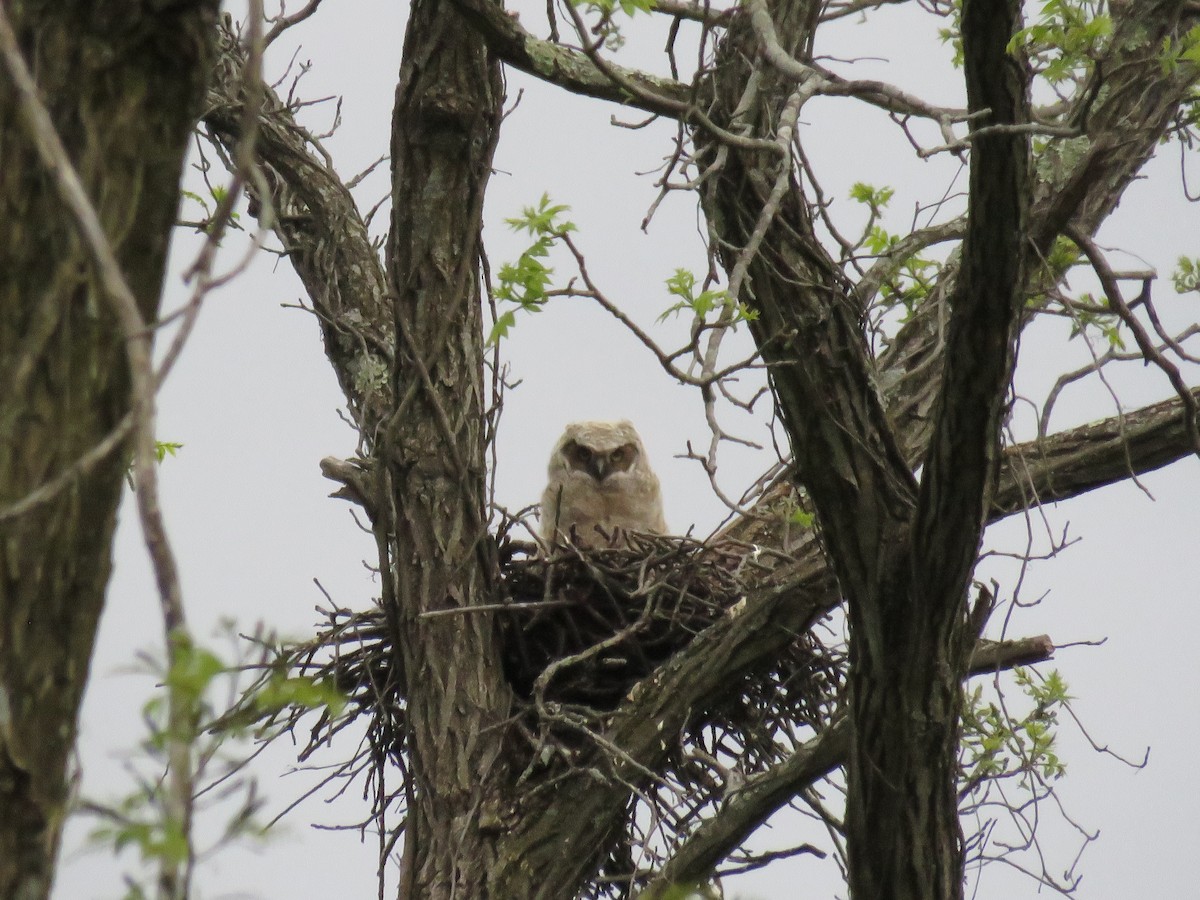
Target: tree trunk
x=123, y=88
x=447, y=115
x=903, y=556
x=909, y=648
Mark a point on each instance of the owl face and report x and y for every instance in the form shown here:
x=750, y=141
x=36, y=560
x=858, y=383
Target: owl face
x=599, y=453
x=599, y=462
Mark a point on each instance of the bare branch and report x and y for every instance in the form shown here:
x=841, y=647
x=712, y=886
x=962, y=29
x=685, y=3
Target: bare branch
x=1073, y=462
x=318, y=222
x=683, y=110
x=814, y=80
x=709, y=375
x=1097, y=366
x=281, y=23
x=1112, y=290
x=695, y=11
x=840, y=9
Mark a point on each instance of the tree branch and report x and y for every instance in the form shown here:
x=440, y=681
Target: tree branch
x=788, y=600
x=1112, y=291
x=815, y=80
x=1092, y=456
x=1080, y=184
x=794, y=596
x=317, y=220
x=567, y=68
x=843, y=446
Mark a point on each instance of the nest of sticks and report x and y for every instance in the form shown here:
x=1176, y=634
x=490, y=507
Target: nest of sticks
x=578, y=630
x=583, y=626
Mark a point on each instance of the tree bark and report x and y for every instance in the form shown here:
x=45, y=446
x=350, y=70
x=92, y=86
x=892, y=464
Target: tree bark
x=122, y=85
x=908, y=648
x=903, y=558
x=319, y=226
x=447, y=114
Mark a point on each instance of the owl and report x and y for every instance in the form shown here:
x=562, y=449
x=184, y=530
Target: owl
x=600, y=479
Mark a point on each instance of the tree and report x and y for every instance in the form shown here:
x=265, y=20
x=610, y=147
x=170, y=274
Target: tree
x=497, y=806
x=121, y=94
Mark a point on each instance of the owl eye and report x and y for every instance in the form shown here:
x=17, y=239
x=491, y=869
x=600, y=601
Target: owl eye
x=581, y=453
x=618, y=455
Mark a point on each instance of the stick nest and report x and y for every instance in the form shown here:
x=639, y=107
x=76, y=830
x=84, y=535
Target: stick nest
x=577, y=631
x=582, y=627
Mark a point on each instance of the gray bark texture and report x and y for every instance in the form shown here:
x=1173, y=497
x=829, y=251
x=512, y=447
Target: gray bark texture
x=122, y=82
x=902, y=556
x=431, y=450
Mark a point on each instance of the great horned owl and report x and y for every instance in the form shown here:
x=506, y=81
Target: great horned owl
x=600, y=479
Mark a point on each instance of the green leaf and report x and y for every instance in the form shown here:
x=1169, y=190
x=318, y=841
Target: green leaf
x=281, y=692
x=163, y=449
x=1066, y=39
x=1187, y=275
x=527, y=281
x=504, y=322
x=876, y=198
x=542, y=219
x=1001, y=744
x=802, y=518
x=682, y=284
x=192, y=670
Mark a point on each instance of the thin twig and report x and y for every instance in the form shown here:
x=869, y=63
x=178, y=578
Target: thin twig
x=1112, y=291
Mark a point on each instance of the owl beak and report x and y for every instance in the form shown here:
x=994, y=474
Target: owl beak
x=598, y=466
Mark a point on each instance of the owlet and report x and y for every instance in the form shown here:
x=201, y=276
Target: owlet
x=600, y=486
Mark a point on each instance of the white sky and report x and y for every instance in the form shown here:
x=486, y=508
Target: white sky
x=255, y=404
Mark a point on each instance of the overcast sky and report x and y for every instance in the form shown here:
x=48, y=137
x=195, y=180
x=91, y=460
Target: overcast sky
x=256, y=406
